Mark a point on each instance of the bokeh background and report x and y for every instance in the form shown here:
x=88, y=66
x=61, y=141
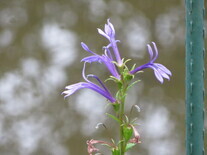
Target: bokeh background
x=40, y=54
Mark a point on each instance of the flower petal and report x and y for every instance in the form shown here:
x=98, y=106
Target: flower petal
x=156, y=52
x=103, y=34
x=163, y=68
x=150, y=51
x=71, y=89
x=101, y=83
x=111, y=27
x=107, y=30
x=158, y=76
x=93, y=58
x=163, y=74
x=86, y=48
x=108, y=53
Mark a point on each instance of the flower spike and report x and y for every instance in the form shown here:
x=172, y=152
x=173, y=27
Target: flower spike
x=122, y=76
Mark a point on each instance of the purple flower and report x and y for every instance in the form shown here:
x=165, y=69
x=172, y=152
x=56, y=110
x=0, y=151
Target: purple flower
x=105, y=58
x=109, y=33
x=70, y=89
x=160, y=71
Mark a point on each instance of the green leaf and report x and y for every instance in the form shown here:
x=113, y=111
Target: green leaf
x=128, y=77
x=134, y=120
x=139, y=72
x=112, y=140
x=123, y=96
x=117, y=94
x=133, y=67
x=129, y=146
x=127, y=119
x=120, y=141
x=113, y=117
x=106, y=145
x=127, y=61
x=119, y=85
x=122, y=59
x=115, y=152
x=127, y=130
x=112, y=78
x=116, y=107
x=136, y=124
x=133, y=84
x=126, y=70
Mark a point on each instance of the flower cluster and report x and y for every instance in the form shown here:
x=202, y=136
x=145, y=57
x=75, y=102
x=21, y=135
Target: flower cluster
x=122, y=76
x=160, y=70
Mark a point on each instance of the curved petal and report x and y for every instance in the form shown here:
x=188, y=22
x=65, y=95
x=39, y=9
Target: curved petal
x=150, y=51
x=71, y=89
x=101, y=83
x=111, y=27
x=107, y=30
x=158, y=76
x=108, y=53
x=103, y=34
x=156, y=52
x=93, y=58
x=163, y=68
x=86, y=48
x=163, y=74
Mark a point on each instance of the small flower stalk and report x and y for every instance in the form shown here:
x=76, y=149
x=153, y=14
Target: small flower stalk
x=124, y=78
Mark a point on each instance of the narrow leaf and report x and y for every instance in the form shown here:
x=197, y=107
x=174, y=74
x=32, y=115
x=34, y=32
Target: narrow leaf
x=134, y=120
x=127, y=119
x=129, y=146
x=112, y=78
x=117, y=94
x=133, y=67
x=127, y=61
x=113, y=117
x=133, y=84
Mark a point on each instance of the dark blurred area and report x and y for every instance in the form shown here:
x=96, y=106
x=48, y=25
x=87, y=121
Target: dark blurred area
x=40, y=54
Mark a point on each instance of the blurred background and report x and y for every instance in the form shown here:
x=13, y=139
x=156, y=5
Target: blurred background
x=40, y=54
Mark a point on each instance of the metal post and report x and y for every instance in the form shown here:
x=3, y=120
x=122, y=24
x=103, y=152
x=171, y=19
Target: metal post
x=195, y=73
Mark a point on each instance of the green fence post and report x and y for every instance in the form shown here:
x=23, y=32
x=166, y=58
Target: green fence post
x=195, y=52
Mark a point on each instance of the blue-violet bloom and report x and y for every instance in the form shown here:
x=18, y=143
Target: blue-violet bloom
x=70, y=89
x=160, y=71
x=109, y=33
x=105, y=58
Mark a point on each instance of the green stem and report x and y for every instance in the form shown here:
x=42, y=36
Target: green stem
x=122, y=144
